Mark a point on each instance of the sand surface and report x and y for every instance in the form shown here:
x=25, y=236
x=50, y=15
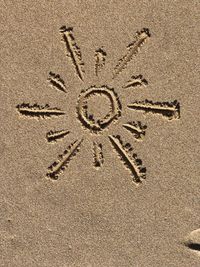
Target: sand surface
x=99, y=156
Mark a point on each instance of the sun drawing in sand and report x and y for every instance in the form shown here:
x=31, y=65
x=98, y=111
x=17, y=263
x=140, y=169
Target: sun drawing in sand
x=93, y=123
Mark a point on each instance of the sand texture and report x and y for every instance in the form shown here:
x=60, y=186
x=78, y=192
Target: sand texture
x=99, y=133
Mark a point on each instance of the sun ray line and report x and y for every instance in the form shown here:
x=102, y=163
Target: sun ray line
x=136, y=128
x=73, y=49
x=132, y=49
x=136, y=81
x=53, y=136
x=130, y=160
x=166, y=109
x=100, y=60
x=58, y=166
x=36, y=110
x=57, y=82
x=98, y=155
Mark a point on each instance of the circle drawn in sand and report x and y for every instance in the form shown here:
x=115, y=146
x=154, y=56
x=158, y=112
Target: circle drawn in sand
x=91, y=121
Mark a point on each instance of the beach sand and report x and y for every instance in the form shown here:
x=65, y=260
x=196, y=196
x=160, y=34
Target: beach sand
x=99, y=156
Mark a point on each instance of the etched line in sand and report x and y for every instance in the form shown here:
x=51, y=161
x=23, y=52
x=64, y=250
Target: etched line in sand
x=57, y=82
x=53, y=136
x=136, y=81
x=36, y=110
x=171, y=110
x=136, y=128
x=56, y=168
x=98, y=155
x=73, y=50
x=132, y=49
x=100, y=59
x=130, y=160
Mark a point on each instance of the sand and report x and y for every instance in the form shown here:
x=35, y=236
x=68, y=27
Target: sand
x=99, y=144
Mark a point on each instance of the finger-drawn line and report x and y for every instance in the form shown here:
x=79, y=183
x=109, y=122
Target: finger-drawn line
x=57, y=82
x=132, y=49
x=53, y=136
x=136, y=128
x=130, y=160
x=56, y=168
x=171, y=110
x=136, y=81
x=73, y=50
x=98, y=155
x=36, y=110
x=100, y=58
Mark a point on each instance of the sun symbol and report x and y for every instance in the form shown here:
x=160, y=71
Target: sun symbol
x=93, y=122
